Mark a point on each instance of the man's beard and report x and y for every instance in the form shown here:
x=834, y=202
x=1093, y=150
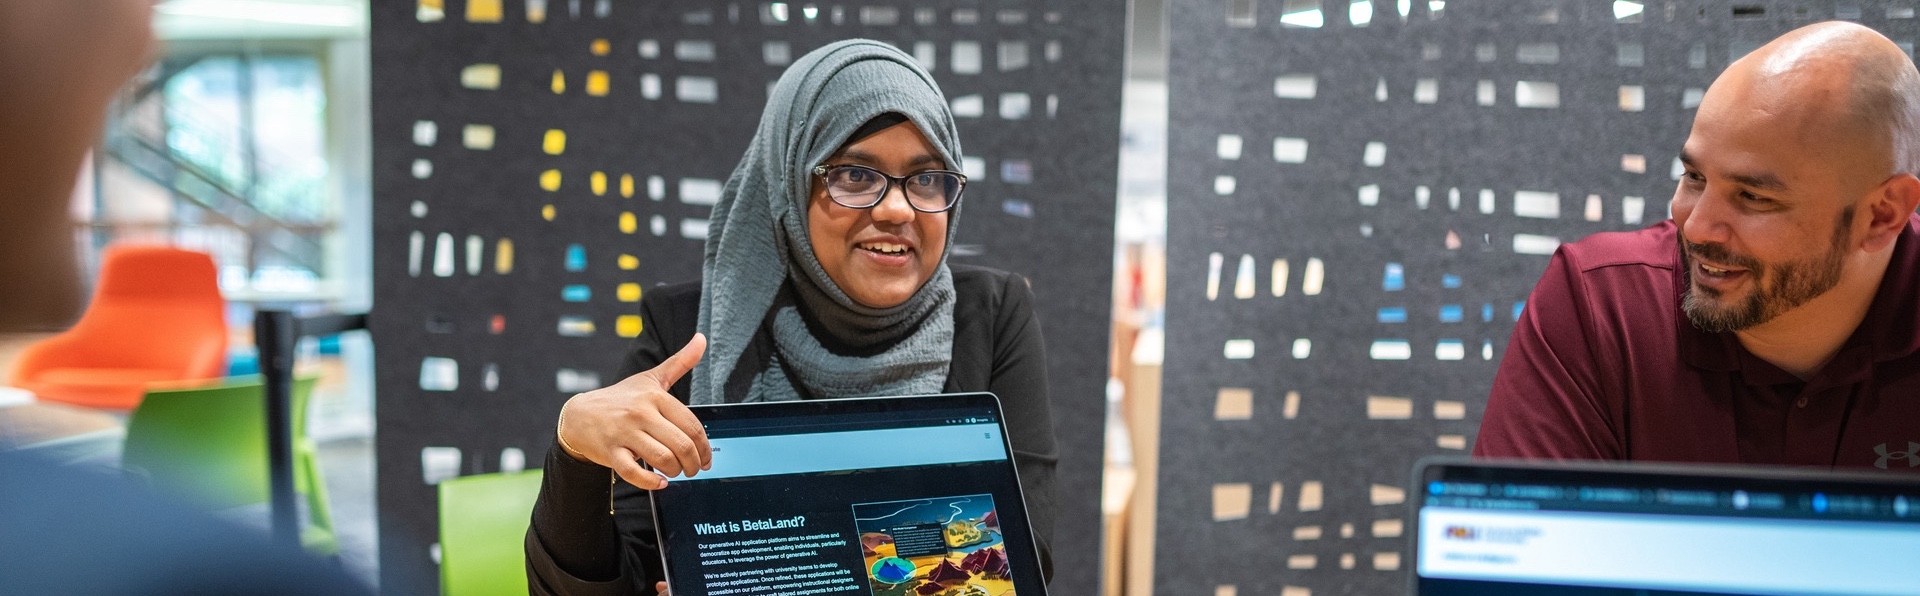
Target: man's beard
x=1774, y=289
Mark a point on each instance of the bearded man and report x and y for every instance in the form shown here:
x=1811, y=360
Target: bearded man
x=1776, y=318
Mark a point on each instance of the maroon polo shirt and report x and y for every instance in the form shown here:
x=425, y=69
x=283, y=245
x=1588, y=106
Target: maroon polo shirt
x=1603, y=365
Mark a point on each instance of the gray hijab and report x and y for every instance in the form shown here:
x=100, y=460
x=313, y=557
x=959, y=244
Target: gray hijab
x=759, y=268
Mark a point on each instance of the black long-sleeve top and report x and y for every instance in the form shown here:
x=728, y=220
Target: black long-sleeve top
x=575, y=548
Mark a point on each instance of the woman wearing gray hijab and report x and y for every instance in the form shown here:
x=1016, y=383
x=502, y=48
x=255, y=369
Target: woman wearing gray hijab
x=825, y=275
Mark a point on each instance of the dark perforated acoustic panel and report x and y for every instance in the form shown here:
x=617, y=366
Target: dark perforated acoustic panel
x=1361, y=195
x=539, y=164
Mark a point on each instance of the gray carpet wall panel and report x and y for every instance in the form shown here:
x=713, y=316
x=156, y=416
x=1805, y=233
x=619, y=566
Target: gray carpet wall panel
x=1361, y=195
x=539, y=164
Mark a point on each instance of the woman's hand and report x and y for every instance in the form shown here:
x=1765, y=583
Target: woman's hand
x=636, y=419
x=660, y=587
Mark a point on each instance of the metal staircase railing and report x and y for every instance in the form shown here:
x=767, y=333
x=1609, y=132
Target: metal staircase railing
x=136, y=139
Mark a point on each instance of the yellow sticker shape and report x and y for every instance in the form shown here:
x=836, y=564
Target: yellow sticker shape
x=503, y=256
x=628, y=223
x=559, y=82
x=626, y=185
x=480, y=76
x=600, y=47
x=627, y=325
x=629, y=262
x=550, y=180
x=555, y=142
x=628, y=292
x=536, y=12
x=597, y=84
x=483, y=11
x=430, y=11
x=477, y=136
x=546, y=212
x=598, y=183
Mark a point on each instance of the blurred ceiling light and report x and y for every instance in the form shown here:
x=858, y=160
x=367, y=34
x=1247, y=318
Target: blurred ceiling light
x=1623, y=9
x=1360, y=13
x=331, y=14
x=1306, y=18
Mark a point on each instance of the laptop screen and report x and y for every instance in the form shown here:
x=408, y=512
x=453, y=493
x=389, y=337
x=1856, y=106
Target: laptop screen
x=885, y=496
x=1493, y=529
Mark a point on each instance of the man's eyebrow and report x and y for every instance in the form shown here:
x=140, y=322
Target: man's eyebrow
x=1766, y=181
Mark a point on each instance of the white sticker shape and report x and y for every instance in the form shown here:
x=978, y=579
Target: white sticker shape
x=969, y=106
x=569, y=380
x=439, y=463
x=1536, y=204
x=1390, y=349
x=425, y=133
x=443, y=255
x=1534, y=244
x=512, y=460
x=1243, y=279
x=1632, y=209
x=700, y=191
x=1536, y=94
x=1213, y=276
x=1295, y=86
x=1228, y=147
x=439, y=374
x=1289, y=150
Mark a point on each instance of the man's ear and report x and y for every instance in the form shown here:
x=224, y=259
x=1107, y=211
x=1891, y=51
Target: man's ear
x=1888, y=210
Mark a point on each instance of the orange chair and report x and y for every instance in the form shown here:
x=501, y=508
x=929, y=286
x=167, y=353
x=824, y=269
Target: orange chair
x=156, y=316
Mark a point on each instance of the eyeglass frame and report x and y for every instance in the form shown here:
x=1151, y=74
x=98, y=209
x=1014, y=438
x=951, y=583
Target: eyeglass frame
x=823, y=169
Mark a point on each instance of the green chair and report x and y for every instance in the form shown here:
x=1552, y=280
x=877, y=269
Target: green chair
x=209, y=444
x=483, y=529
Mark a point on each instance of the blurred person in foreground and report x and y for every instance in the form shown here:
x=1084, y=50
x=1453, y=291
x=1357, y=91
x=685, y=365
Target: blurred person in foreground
x=1776, y=318
x=61, y=62
x=64, y=530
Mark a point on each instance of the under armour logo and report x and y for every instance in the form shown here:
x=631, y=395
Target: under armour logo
x=1912, y=455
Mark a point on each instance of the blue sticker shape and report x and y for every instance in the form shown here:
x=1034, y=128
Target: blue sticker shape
x=1450, y=281
x=1486, y=312
x=1395, y=279
x=576, y=257
x=1450, y=313
x=1517, y=308
x=576, y=293
x=1393, y=314
x=1017, y=208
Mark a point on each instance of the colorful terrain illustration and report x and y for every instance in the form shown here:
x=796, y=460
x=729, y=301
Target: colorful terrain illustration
x=949, y=546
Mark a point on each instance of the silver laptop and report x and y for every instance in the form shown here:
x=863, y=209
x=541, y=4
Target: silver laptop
x=899, y=496
x=1491, y=528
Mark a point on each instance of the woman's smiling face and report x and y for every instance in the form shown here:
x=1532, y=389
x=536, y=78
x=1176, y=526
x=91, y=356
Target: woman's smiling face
x=881, y=255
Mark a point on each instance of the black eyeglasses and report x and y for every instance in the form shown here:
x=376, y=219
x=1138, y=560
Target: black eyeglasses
x=861, y=187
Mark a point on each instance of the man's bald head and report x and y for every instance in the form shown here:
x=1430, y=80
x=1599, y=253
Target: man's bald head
x=1844, y=83
x=1798, y=179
